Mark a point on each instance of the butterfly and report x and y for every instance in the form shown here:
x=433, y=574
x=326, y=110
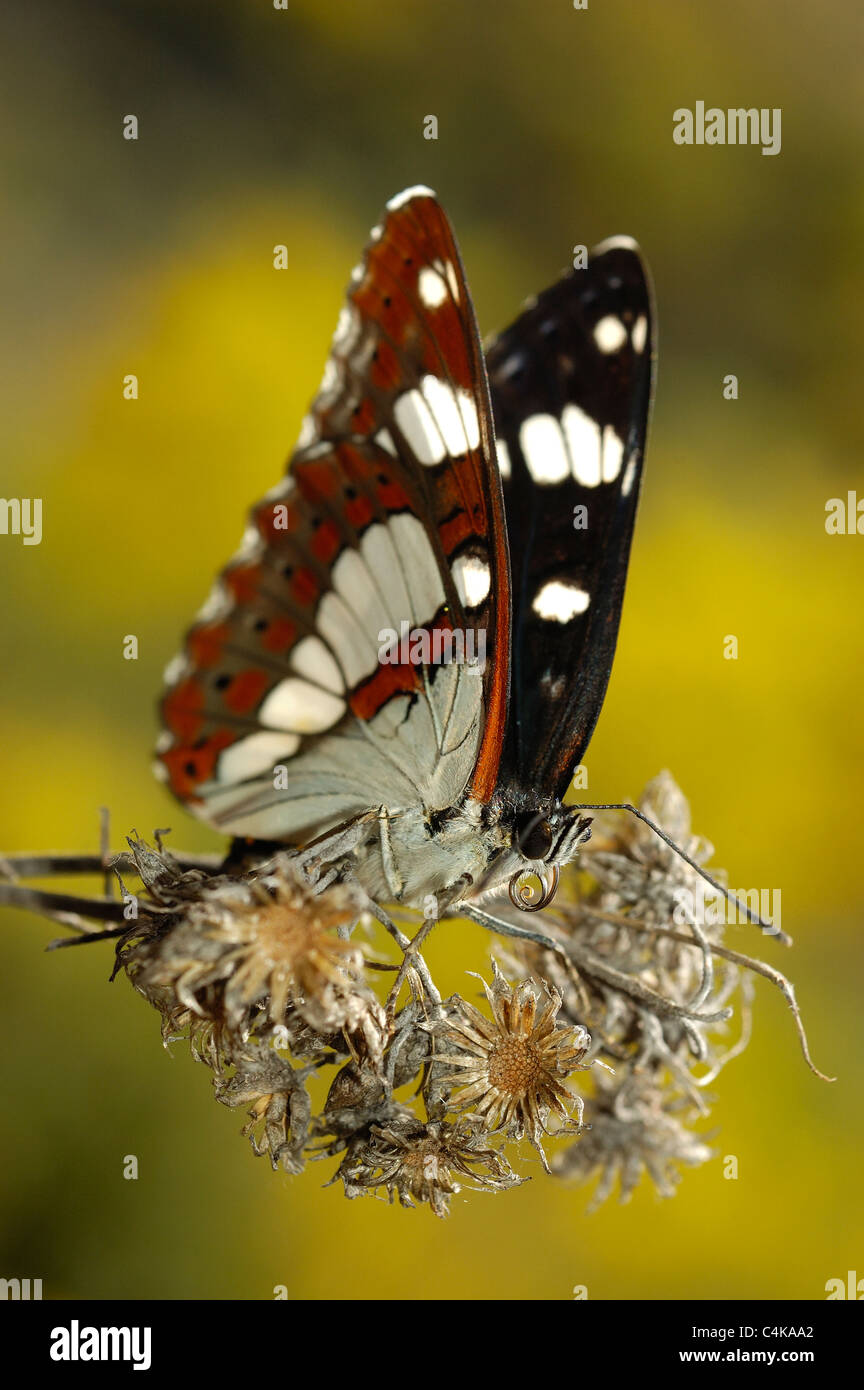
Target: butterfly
x=405, y=660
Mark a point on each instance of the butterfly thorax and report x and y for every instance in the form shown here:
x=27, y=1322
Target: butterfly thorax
x=410, y=854
x=468, y=852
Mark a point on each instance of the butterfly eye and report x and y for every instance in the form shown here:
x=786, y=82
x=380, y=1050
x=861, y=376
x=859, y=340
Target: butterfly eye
x=522, y=893
x=534, y=838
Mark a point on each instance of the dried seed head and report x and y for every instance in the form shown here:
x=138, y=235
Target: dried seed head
x=280, y=1113
x=287, y=949
x=419, y=1162
x=243, y=947
x=514, y=1065
x=633, y=1130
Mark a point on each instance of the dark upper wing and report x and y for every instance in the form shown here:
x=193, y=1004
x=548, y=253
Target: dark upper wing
x=391, y=513
x=570, y=382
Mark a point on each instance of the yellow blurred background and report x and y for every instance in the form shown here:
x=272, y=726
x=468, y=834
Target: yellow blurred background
x=155, y=257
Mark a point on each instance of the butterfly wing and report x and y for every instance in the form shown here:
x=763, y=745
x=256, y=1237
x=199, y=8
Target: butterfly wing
x=571, y=383
x=292, y=708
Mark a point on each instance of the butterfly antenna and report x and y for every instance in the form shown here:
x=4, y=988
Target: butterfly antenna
x=751, y=916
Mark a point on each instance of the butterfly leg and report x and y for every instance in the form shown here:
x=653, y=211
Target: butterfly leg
x=502, y=928
x=327, y=856
x=392, y=876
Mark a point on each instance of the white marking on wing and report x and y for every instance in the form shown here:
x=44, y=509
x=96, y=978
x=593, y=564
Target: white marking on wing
x=253, y=755
x=613, y=454
x=512, y=364
x=504, y=467
x=283, y=488
x=472, y=578
x=437, y=421
x=218, y=604
x=583, y=442
x=300, y=707
x=449, y=272
x=417, y=190
x=347, y=329
x=312, y=659
x=419, y=566
x=384, y=440
x=177, y=668
x=381, y=556
x=629, y=476
x=559, y=601
x=331, y=376
x=610, y=334
x=251, y=544
x=351, y=579
x=613, y=243
x=454, y=412
x=543, y=448
x=432, y=287
x=415, y=421
x=639, y=334
x=308, y=432
x=316, y=451
x=351, y=645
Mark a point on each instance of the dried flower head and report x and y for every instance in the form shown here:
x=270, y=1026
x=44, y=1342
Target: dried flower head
x=281, y=1110
x=514, y=1064
x=246, y=946
x=287, y=950
x=419, y=1162
x=633, y=1130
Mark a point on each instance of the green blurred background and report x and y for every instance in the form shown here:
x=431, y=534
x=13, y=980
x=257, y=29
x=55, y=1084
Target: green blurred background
x=260, y=127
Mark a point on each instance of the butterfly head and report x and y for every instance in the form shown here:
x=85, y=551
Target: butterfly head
x=544, y=841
